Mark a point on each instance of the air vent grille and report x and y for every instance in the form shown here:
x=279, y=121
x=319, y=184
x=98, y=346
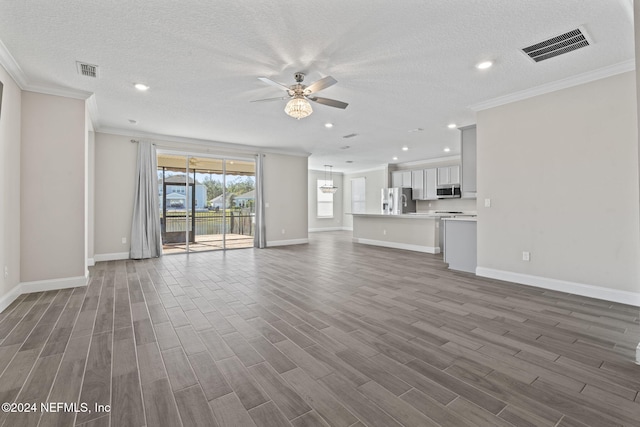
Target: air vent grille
x=87, y=70
x=558, y=45
x=351, y=135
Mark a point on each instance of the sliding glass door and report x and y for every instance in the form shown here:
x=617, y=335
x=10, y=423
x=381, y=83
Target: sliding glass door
x=206, y=203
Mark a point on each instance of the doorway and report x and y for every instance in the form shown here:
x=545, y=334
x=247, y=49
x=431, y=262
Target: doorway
x=206, y=203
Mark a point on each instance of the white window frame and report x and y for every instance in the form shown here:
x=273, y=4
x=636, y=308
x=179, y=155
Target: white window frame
x=324, y=199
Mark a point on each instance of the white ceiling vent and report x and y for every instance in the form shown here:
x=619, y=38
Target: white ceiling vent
x=88, y=70
x=558, y=45
x=351, y=135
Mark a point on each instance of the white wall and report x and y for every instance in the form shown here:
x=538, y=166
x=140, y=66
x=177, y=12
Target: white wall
x=9, y=187
x=318, y=224
x=375, y=180
x=285, y=190
x=561, y=170
x=115, y=167
x=52, y=188
x=285, y=187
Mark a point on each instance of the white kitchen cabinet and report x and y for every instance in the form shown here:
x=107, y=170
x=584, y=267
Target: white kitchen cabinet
x=449, y=175
x=469, y=156
x=417, y=184
x=431, y=184
x=424, y=184
x=401, y=179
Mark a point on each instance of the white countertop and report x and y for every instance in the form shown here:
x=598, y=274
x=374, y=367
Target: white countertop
x=461, y=218
x=422, y=215
x=400, y=216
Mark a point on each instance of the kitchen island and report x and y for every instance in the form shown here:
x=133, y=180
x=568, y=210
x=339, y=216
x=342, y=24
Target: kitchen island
x=460, y=240
x=414, y=232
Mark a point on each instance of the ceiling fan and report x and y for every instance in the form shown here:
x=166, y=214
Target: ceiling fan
x=298, y=107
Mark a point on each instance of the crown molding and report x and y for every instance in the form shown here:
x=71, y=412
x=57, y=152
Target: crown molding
x=576, y=80
x=11, y=65
x=455, y=158
x=239, y=148
x=373, y=169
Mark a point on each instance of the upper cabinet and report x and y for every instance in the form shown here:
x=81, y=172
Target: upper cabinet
x=424, y=184
x=468, y=154
x=417, y=187
x=401, y=179
x=449, y=175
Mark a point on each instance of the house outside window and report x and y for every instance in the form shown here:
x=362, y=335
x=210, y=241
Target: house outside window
x=325, y=200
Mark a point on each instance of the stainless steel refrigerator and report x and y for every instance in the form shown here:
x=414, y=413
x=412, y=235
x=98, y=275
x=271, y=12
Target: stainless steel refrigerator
x=396, y=201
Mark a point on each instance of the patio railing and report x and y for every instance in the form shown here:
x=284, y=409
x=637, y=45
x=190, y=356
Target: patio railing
x=209, y=222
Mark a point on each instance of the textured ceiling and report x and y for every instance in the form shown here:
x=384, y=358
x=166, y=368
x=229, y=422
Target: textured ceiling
x=400, y=65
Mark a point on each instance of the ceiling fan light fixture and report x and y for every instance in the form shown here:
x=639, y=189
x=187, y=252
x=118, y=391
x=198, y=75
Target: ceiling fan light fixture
x=298, y=107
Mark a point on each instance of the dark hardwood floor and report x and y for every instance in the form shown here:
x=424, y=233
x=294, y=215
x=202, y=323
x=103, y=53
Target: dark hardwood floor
x=330, y=333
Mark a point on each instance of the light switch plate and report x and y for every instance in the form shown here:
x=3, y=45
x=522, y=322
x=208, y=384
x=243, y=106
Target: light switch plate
x=487, y=203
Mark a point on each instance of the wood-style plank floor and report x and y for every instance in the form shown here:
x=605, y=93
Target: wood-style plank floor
x=327, y=334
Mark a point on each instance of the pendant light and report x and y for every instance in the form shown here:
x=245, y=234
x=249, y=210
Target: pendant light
x=326, y=188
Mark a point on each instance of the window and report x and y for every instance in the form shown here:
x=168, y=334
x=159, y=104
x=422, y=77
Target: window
x=325, y=200
x=358, y=202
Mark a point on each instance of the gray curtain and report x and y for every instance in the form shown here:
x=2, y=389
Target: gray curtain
x=260, y=240
x=146, y=238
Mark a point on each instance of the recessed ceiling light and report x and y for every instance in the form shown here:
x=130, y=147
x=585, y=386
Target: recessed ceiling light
x=395, y=158
x=405, y=148
x=447, y=149
x=484, y=65
x=451, y=125
x=328, y=125
x=141, y=87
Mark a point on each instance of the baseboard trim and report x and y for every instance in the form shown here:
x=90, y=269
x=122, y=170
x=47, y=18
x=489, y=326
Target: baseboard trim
x=117, y=256
x=9, y=297
x=591, y=291
x=394, y=245
x=347, y=228
x=287, y=242
x=41, y=286
x=318, y=230
x=53, y=284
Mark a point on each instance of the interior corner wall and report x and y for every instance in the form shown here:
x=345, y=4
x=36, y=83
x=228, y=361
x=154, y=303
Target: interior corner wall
x=320, y=224
x=375, y=180
x=561, y=170
x=52, y=190
x=115, y=169
x=9, y=188
x=285, y=191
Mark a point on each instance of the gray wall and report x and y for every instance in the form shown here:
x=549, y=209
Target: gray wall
x=561, y=170
x=52, y=188
x=9, y=185
x=375, y=180
x=318, y=224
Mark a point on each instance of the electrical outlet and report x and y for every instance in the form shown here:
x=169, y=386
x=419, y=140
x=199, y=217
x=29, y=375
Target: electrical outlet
x=283, y=231
x=124, y=240
x=526, y=256
x=266, y=205
x=6, y=271
x=487, y=203
x=384, y=232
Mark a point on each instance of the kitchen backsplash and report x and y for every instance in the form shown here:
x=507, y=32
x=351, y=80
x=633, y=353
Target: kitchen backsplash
x=463, y=205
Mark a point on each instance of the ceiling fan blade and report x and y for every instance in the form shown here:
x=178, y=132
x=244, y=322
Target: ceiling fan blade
x=329, y=102
x=320, y=84
x=272, y=83
x=280, y=98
